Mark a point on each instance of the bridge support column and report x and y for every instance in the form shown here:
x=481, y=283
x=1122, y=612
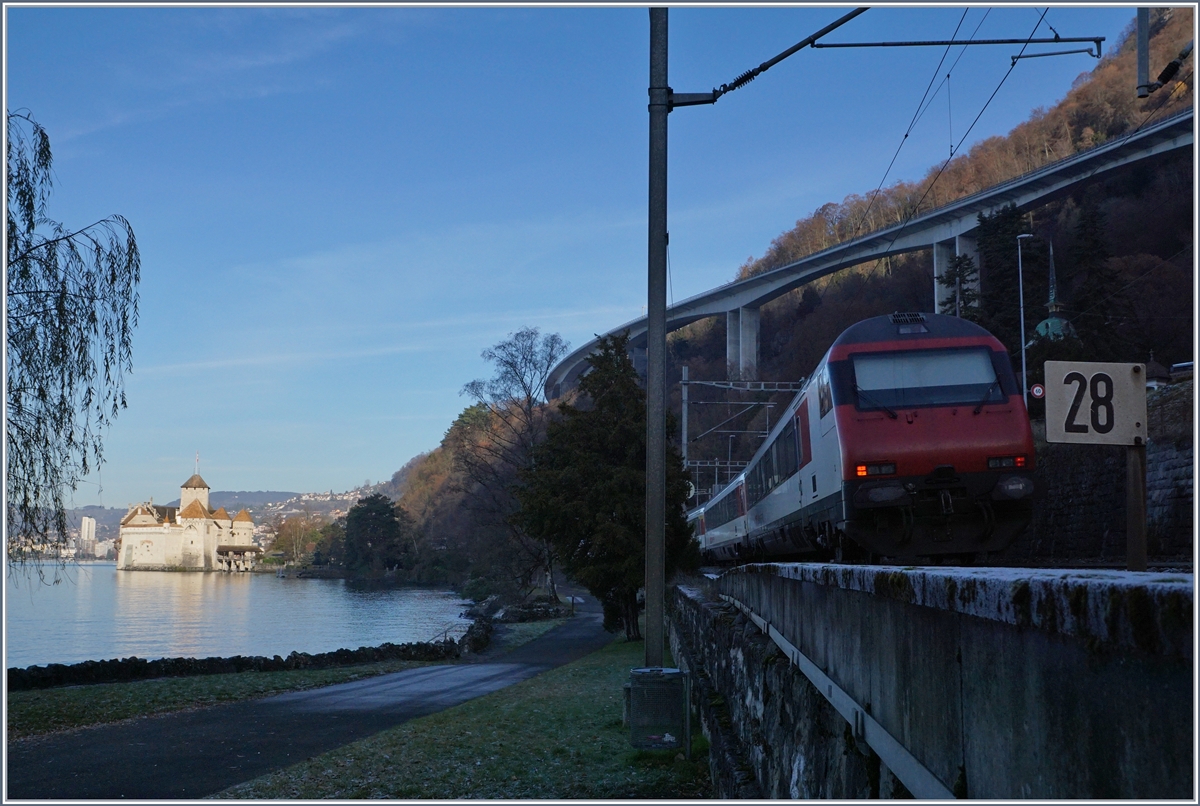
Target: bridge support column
x=943, y=253
x=741, y=343
x=966, y=245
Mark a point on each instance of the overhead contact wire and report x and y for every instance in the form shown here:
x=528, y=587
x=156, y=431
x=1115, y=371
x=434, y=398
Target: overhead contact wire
x=912, y=123
x=967, y=134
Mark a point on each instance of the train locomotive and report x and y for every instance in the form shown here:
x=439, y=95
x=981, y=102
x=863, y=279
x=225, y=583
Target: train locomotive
x=909, y=441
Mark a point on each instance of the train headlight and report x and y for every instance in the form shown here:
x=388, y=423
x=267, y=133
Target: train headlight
x=880, y=494
x=877, y=469
x=1013, y=487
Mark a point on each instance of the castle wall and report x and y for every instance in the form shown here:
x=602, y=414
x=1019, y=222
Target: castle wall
x=190, y=543
x=193, y=544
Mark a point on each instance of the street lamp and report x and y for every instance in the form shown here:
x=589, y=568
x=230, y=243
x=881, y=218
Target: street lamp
x=1021, y=294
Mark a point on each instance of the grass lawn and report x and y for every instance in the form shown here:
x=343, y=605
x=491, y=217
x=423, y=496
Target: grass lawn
x=510, y=636
x=33, y=713
x=558, y=735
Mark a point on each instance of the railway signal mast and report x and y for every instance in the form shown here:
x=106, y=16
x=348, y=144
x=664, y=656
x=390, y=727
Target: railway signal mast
x=662, y=101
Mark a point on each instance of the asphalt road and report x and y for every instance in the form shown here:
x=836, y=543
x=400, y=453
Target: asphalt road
x=194, y=754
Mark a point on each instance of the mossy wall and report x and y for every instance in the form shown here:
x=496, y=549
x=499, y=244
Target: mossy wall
x=1001, y=683
x=771, y=725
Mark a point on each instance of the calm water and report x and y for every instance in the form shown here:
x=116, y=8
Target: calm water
x=103, y=613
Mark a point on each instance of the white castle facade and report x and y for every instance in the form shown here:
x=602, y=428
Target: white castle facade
x=190, y=537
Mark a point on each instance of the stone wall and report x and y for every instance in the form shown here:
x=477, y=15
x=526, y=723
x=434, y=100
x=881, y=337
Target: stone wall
x=997, y=683
x=770, y=731
x=476, y=639
x=1080, y=509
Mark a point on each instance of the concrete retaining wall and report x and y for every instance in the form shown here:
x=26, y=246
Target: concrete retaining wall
x=1000, y=683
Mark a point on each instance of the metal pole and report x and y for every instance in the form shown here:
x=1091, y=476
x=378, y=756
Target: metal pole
x=1143, y=52
x=683, y=442
x=1021, y=293
x=656, y=343
x=1135, y=507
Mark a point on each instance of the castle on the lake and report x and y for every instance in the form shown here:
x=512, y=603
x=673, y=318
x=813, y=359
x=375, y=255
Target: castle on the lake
x=190, y=537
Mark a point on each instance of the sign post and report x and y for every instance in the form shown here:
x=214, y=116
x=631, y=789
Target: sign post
x=1092, y=403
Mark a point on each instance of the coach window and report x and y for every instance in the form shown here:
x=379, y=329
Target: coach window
x=785, y=453
x=824, y=395
x=802, y=431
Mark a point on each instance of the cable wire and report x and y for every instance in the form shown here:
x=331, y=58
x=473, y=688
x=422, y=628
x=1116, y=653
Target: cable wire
x=970, y=128
x=916, y=117
x=950, y=116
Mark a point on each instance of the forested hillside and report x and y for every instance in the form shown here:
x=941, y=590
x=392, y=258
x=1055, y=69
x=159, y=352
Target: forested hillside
x=1122, y=251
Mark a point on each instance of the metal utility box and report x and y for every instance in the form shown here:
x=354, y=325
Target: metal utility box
x=659, y=709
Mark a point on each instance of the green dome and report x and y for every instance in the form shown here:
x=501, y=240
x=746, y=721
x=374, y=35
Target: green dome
x=1056, y=328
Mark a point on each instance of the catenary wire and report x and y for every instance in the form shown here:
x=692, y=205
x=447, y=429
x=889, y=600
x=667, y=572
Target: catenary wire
x=916, y=116
x=966, y=134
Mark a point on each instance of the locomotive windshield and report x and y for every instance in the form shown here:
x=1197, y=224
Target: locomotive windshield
x=925, y=378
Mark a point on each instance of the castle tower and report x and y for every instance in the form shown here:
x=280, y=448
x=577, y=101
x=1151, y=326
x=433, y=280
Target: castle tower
x=243, y=529
x=194, y=489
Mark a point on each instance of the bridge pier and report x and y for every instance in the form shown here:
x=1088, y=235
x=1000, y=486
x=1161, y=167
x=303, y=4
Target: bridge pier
x=944, y=252
x=741, y=343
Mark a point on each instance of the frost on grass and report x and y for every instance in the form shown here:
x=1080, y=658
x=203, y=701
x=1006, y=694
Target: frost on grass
x=558, y=735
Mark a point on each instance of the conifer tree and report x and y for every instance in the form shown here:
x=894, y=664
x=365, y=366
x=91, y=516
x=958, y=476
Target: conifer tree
x=586, y=490
x=962, y=279
x=1100, y=305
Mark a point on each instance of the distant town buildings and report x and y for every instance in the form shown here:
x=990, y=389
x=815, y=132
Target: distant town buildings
x=190, y=537
x=87, y=537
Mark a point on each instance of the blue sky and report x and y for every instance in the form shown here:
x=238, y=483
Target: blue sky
x=339, y=208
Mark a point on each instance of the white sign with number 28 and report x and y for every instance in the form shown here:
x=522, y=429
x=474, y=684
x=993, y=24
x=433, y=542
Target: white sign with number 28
x=1095, y=403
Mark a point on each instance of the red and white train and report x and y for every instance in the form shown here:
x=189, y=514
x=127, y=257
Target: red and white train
x=909, y=440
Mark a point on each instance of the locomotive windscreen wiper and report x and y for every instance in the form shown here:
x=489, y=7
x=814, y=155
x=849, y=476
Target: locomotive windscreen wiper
x=986, y=395
x=858, y=390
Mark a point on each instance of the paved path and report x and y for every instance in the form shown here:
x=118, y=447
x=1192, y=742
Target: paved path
x=194, y=754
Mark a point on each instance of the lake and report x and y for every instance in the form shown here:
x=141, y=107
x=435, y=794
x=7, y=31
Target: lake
x=102, y=613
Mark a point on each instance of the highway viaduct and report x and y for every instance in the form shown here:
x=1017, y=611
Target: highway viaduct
x=947, y=229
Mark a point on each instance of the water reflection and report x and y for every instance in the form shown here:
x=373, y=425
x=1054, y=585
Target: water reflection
x=152, y=614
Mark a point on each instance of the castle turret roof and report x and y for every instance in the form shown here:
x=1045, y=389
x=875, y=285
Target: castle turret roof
x=221, y=515
x=243, y=517
x=143, y=510
x=194, y=510
x=195, y=482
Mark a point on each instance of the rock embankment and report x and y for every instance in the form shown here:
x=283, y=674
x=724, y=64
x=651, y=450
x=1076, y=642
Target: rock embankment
x=540, y=608
x=134, y=668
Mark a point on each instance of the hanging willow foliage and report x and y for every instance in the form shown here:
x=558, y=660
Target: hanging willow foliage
x=71, y=309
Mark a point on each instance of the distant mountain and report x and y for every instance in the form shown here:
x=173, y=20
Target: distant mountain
x=108, y=519
x=242, y=498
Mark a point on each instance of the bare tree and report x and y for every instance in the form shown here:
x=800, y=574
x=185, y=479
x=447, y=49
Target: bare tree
x=71, y=300
x=293, y=535
x=498, y=444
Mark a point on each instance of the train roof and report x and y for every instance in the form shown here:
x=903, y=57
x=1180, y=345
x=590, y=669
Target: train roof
x=904, y=326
